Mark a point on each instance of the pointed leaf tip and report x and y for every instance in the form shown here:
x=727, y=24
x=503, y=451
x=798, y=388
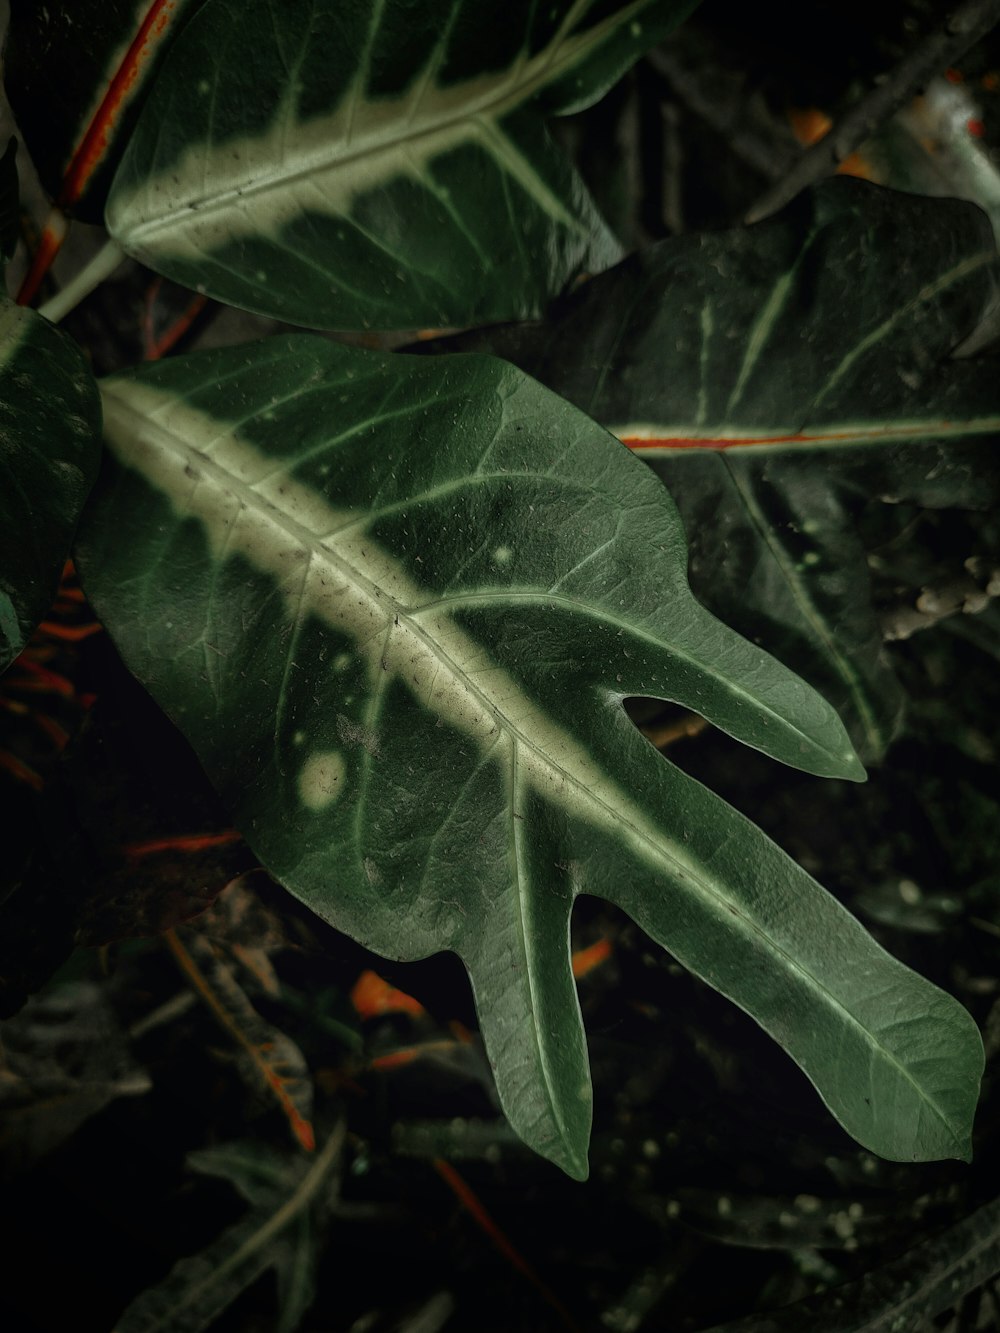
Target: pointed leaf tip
x=853, y=769
x=576, y=1166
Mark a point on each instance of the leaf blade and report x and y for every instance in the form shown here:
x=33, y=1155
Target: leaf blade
x=361, y=116
x=453, y=580
x=49, y=458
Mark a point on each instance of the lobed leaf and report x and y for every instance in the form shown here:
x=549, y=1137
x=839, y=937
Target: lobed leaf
x=396, y=605
x=342, y=164
x=50, y=445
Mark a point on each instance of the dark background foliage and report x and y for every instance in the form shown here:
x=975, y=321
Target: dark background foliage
x=720, y=1186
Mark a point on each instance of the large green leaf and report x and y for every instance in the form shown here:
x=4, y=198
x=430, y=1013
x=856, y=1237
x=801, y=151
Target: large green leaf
x=50, y=442
x=396, y=605
x=778, y=376
x=344, y=163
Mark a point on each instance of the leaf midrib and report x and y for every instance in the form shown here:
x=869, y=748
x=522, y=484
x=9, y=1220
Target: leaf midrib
x=963, y=269
x=520, y=876
x=490, y=107
x=514, y=596
x=690, y=437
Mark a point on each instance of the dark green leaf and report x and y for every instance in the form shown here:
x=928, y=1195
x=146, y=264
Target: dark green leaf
x=777, y=377
x=50, y=444
x=276, y=1233
x=341, y=164
x=76, y=73
x=259, y=1173
x=64, y=1059
x=904, y=1295
x=774, y=553
x=399, y=604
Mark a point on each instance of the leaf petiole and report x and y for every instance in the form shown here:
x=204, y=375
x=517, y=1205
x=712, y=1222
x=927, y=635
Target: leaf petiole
x=101, y=266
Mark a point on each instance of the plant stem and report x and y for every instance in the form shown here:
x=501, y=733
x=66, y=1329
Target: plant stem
x=939, y=49
x=101, y=266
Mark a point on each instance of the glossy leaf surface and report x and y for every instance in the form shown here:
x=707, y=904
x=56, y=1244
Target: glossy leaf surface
x=396, y=604
x=76, y=73
x=778, y=376
x=49, y=450
x=342, y=164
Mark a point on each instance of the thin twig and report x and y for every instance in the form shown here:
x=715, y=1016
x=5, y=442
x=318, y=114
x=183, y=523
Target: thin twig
x=939, y=49
x=165, y=1013
x=669, y=733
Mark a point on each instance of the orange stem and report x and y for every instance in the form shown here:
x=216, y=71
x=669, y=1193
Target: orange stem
x=192, y=842
x=640, y=442
x=301, y=1127
x=471, y=1203
x=162, y=345
x=21, y=771
x=71, y=633
x=585, y=960
x=54, y=233
x=94, y=144
x=44, y=680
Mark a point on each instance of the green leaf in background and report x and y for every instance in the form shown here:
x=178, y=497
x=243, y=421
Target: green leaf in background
x=76, y=73
x=778, y=376
x=264, y=1178
x=345, y=164
x=65, y=1058
x=904, y=1295
x=285, y=1193
x=396, y=605
x=50, y=443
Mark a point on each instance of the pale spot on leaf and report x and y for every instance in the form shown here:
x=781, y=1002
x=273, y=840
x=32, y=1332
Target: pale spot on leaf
x=321, y=779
